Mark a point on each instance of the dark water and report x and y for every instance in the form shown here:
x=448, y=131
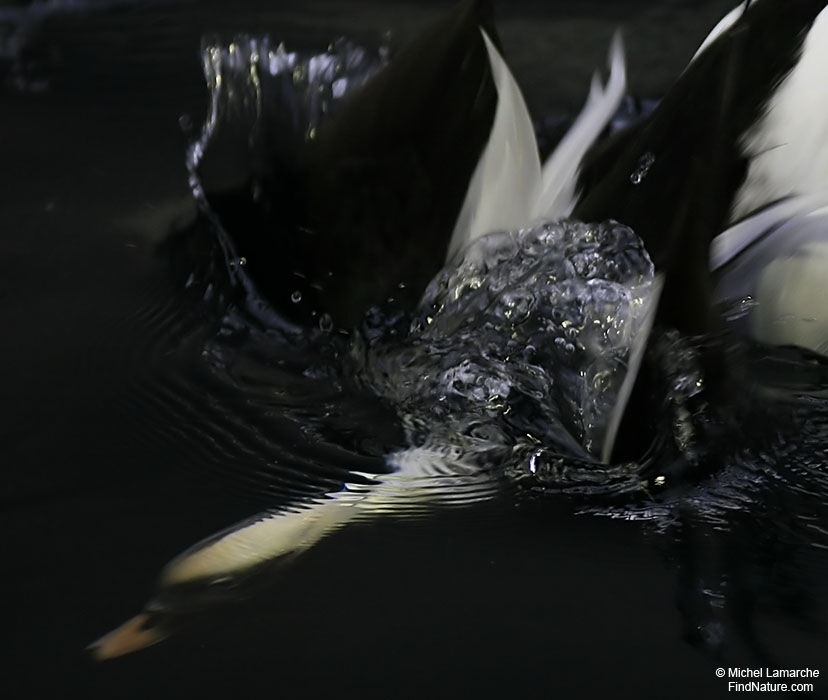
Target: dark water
x=132, y=428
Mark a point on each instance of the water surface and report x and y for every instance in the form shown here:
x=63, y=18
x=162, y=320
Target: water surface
x=126, y=438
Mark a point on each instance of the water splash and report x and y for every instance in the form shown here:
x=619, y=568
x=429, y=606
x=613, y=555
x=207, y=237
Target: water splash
x=261, y=92
x=524, y=341
x=265, y=104
x=514, y=359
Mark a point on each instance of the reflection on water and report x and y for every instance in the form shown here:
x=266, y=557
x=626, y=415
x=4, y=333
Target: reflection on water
x=496, y=389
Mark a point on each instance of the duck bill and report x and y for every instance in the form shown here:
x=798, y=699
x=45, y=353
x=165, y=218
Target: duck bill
x=131, y=636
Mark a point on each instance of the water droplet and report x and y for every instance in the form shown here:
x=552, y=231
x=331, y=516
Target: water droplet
x=739, y=308
x=296, y=297
x=186, y=123
x=644, y=164
x=326, y=323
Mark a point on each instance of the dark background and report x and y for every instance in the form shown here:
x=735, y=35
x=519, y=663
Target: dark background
x=100, y=487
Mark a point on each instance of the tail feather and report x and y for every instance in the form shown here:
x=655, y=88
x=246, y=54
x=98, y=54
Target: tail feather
x=557, y=196
x=507, y=177
x=508, y=188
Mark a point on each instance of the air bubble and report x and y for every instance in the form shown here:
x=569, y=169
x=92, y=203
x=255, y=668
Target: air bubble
x=326, y=323
x=545, y=314
x=185, y=122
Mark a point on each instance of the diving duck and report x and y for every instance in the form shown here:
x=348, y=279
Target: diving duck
x=726, y=182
